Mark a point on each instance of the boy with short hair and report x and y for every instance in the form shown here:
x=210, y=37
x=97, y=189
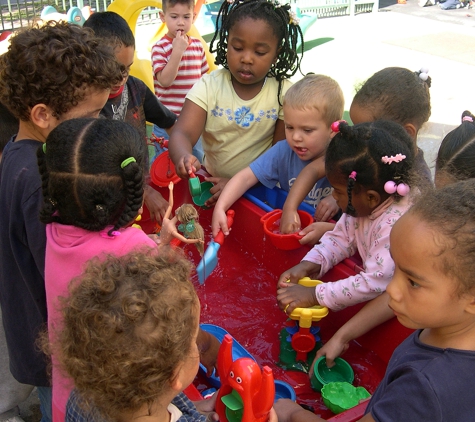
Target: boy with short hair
x=42, y=82
x=131, y=100
x=310, y=107
x=178, y=60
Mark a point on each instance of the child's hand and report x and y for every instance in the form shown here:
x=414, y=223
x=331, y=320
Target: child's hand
x=219, y=222
x=156, y=204
x=294, y=274
x=313, y=232
x=180, y=42
x=296, y=296
x=326, y=209
x=208, y=346
x=290, y=221
x=289, y=411
x=188, y=164
x=331, y=349
x=219, y=184
x=207, y=407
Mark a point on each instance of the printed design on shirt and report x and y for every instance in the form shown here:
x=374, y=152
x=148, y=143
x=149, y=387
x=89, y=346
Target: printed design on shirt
x=119, y=112
x=243, y=115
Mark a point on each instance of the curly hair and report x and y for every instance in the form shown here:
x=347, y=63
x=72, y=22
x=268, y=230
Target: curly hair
x=397, y=94
x=360, y=149
x=55, y=64
x=185, y=214
x=278, y=17
x=456, y=156
x=319, y=92
x=450, y=213
x=128, y=324
x=84, y=180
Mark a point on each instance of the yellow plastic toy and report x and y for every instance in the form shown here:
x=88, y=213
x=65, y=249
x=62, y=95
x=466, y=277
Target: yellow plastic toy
x=130, y=10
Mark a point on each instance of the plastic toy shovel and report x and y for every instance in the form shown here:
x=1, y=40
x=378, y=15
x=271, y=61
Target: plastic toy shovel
x=210, y=258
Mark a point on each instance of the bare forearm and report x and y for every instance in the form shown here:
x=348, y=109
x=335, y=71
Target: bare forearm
x=167, y=75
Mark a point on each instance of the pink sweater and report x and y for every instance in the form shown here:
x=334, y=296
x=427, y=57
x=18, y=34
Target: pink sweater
x=68, y=249
x=370, y=237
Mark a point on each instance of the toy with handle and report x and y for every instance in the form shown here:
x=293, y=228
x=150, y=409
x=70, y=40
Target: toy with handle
x=246, y=393
x=210, y=258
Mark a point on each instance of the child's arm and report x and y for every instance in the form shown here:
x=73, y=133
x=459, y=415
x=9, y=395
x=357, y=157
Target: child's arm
x=289, y=411
x=155, y=112
x=234, y=189
x=279, y=131
x=208, y=345
x=314, y=232
x=374, y=313
x=310, y=174
x=184, y=136
x=156, y=203
x=167, y=75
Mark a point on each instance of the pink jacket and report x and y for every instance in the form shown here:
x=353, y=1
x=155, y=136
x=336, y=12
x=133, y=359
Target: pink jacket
x=68, y=248
x=370, y=237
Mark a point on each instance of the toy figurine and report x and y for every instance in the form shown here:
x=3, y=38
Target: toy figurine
x=246, y=393
x=187, y=216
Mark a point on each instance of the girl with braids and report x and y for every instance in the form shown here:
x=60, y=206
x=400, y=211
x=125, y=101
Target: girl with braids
x=238, y=109
x=369, y=167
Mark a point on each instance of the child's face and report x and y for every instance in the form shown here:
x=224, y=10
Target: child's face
x=125, y=56
x=421, y=295
x=252, y=49
x=306, y=132
x=178, y=19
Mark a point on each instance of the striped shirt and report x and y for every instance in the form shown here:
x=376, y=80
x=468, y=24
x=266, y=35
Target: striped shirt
x=193, y=65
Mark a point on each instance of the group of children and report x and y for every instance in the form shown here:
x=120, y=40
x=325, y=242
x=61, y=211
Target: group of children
x=72, y=184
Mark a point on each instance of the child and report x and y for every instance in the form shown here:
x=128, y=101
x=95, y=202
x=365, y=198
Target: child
x=238, y=109
x=369, y=167
x=393, y=93
x=428, y=377
x=310, y=107
x=455, y=162
x=92, y=174
x=129, y=338
x=131, y=100
x=42, y=82
x=178, y=60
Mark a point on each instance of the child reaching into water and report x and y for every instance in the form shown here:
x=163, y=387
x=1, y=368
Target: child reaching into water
x=369, y=167
x=92, y=173
x=130, y=339
x=433, y=292
x=393, y=93
x=238, y=109
x=311, y=105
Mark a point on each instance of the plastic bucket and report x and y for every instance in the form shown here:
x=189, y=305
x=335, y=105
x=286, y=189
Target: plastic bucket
x=322, y=374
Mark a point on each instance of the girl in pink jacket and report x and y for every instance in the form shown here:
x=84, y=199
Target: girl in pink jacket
x=369, y=167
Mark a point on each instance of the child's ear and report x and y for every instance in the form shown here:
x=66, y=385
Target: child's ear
x=470, y=307
x=162, y=16
x=411, y=130
x=42, y=116
x=194, y=17
x=175, y=381
x=373, y=199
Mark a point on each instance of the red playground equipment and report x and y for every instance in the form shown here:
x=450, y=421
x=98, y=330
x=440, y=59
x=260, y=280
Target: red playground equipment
x=246, y=393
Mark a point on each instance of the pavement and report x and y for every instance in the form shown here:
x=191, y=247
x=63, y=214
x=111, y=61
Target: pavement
x=351, y=49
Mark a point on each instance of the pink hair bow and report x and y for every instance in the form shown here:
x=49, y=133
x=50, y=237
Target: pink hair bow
x=393, y=159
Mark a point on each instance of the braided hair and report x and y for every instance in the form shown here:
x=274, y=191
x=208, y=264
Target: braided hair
x=83, y=182
x=456, y=156
x=283, y=23
x=356, y=153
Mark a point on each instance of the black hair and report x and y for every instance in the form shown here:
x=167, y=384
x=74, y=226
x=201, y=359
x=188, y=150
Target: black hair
x=360, y=149
x=456, y=156
x=111, y=28
x=85, y=182
x=278, y=17
x=398, y=94
x=9, y=126
x=170, y=3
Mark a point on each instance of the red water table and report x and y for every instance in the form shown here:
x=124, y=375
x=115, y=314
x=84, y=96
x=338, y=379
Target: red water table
x=246, y=393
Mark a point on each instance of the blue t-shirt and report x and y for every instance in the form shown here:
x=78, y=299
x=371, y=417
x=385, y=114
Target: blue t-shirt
x=426, y=383
x=280, y=165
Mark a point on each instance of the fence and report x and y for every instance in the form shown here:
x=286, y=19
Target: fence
x=329, y=8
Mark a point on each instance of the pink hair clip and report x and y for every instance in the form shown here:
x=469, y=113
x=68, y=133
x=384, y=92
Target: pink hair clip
x=467, y=119
x=401, y=189
x=335, y=127
x=393, y=159
x=352, y=175
x=105, y=234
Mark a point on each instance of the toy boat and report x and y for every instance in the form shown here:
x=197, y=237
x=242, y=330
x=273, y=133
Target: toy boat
x=240, y=296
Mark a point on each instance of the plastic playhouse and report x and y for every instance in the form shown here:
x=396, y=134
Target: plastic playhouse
x=239, y=297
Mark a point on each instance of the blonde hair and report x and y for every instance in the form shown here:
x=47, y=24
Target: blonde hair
x=187, y=214
x=319, y=92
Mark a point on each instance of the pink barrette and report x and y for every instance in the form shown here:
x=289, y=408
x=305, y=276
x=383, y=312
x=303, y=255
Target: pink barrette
x=352, y=175
x=393, y=159
x=105, y=234
x=467, y=119
x=335, y=127
x=391, y=187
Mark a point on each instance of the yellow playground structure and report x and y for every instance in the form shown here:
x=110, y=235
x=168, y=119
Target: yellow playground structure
x=130, y=11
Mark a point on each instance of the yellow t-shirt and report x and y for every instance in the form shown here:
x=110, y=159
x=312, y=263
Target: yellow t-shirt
x=236, y=131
